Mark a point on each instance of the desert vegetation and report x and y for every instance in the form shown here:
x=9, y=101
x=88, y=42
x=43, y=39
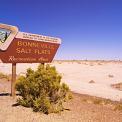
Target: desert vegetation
x=4, y=76
x=118, y=107
x=117, y=86
x=110, y=76
x=42, y=90
x=115, y=105
x=91, y=81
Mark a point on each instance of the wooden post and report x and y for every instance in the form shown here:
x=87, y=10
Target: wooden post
x=13, y=80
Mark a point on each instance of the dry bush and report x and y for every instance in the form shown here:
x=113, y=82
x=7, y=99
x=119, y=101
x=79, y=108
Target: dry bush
x=91, y=64
x=97, y=101
x=91, y=81
x=118, y=107
x=117, y=86
x=99, y=63
x=4, y=76
x=42, y=90
x=110, y=76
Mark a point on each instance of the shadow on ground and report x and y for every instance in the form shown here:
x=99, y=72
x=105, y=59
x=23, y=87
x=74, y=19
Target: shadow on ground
x=5, y=94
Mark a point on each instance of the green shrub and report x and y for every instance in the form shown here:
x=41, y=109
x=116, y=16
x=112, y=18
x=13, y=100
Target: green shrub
x=42, y=90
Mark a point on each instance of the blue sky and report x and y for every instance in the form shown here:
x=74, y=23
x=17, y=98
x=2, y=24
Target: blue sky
x=89, y=29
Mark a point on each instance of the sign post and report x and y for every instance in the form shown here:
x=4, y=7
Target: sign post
x=13, y=79
x=21, y=47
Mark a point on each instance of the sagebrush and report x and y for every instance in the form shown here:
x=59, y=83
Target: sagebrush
x=42, y=90
x=2, y=75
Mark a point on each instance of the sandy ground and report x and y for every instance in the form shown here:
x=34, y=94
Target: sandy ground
x=79, y=110
x=78, y=74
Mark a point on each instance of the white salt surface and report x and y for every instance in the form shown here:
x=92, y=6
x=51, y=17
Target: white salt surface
x=78, y=75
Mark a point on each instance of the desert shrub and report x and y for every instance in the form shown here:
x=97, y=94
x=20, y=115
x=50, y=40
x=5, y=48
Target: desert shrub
x=42, y=90
x=110, y=76
x=91, y=81
x=2, y=75
x=107, y=101
x=118, y=107
x=97, y=101
x=117, y=86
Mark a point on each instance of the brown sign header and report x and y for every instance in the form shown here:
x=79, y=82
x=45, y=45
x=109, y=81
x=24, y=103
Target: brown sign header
x=26, y=47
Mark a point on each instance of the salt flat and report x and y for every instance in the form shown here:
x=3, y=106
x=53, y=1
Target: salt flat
x=78, y=75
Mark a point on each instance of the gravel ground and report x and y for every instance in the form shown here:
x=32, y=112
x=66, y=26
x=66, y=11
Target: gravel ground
x=79, y=111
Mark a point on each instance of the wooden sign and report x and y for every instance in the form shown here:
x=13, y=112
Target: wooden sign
x=20, y=47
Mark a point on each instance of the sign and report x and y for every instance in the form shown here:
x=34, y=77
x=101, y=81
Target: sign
x=21, y=47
